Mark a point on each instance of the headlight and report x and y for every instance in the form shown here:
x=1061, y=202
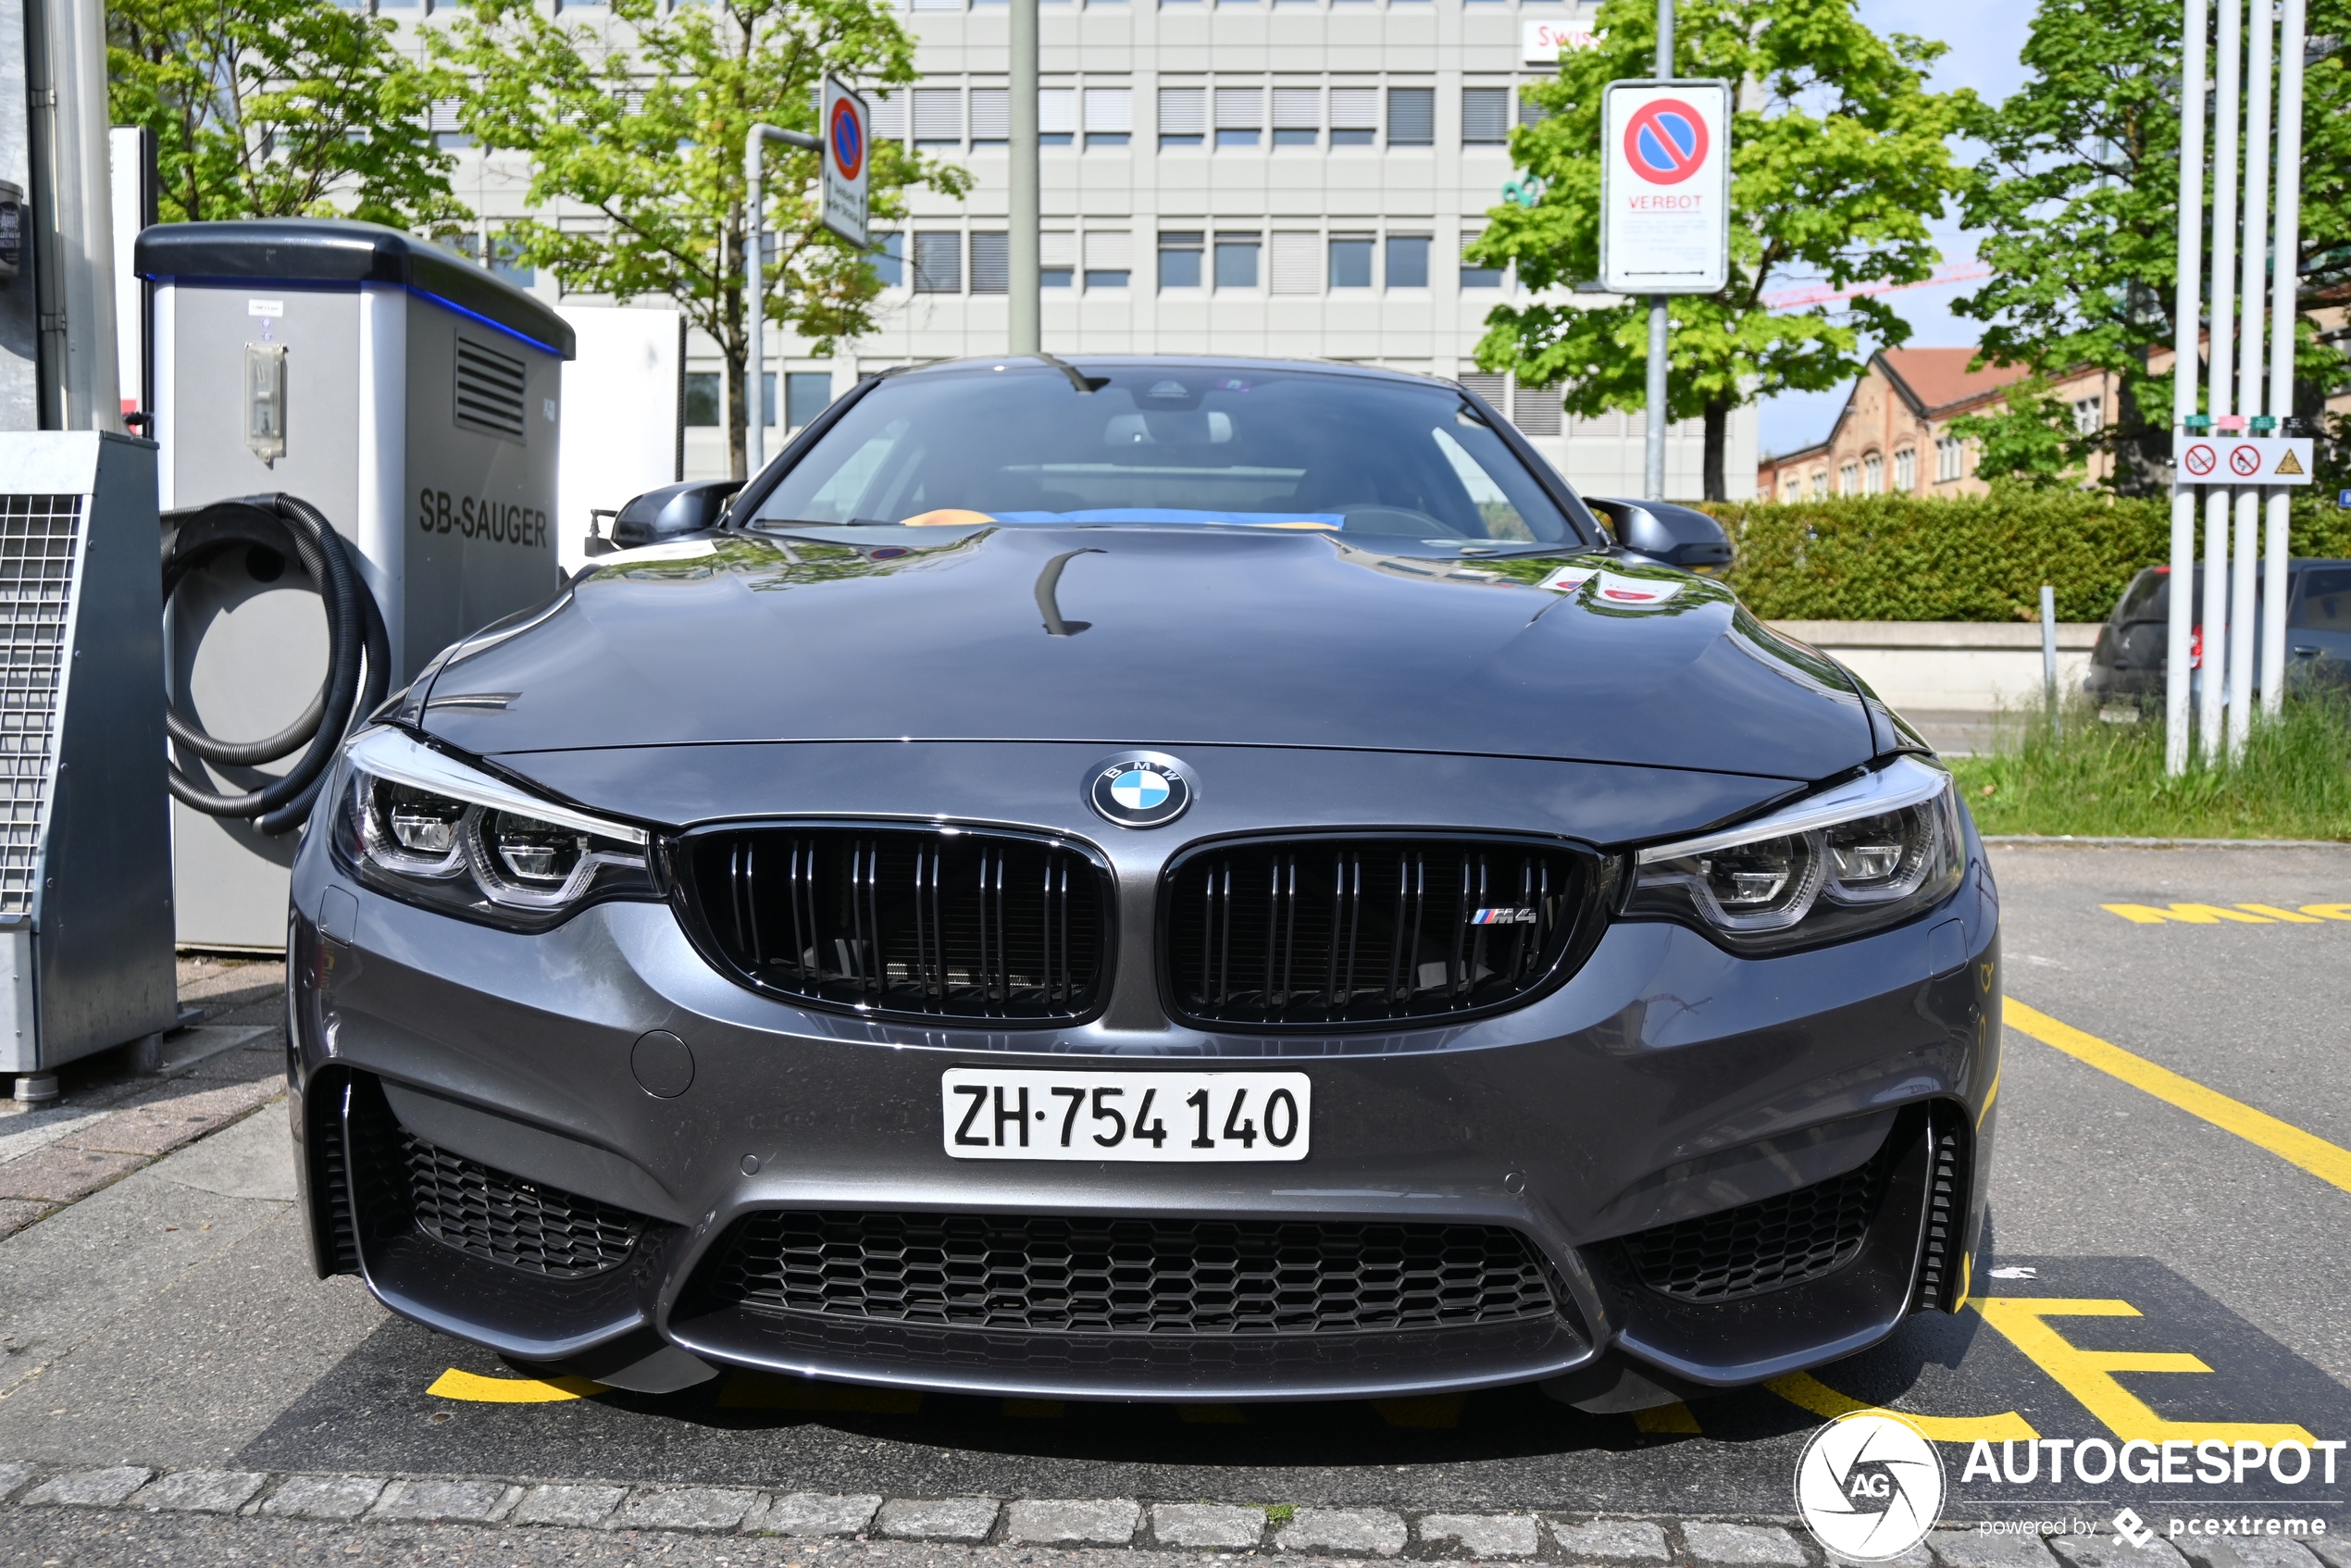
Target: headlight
x=424, y=828
x=1861, y=856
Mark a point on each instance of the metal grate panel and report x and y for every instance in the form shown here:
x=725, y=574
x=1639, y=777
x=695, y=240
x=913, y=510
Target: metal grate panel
x=1764, y=1246
x=912, y=922
x=465, y=1204
x=1145, y=1277
x=1339, y=931
x=491, y=388
x=39, y=537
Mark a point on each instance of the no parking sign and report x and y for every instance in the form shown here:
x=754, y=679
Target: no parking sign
x=1665, y=187
x=847, y=153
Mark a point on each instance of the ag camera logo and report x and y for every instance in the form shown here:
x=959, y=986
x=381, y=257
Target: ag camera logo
x=1869, y=1485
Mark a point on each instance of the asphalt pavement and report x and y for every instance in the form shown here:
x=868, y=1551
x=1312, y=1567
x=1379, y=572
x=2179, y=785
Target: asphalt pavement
x=2161, y=1266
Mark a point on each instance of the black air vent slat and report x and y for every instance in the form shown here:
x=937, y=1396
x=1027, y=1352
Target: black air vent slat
x=490, y=391
x=1154, y=1278
x=1764, y=1246
x=1344, y=930
x=910, y=922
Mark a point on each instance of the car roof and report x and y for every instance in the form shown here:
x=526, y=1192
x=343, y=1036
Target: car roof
x=1169, y=361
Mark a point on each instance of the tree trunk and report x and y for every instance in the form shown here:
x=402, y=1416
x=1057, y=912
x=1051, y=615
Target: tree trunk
x=736, y=345
x=1717, y=439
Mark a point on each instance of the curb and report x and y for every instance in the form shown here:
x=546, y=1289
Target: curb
x=2028, y=840
x=1544, y=1536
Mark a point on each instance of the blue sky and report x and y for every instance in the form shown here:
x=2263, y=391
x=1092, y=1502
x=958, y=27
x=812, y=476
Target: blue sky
x=1984, y=38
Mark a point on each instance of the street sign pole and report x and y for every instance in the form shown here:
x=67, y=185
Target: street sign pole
x=1653, y=455
x=1027, y=304
x=2253, y=254
x=2220, y=401
x=2186, y=310
x=843, y=158
x=2285, y=289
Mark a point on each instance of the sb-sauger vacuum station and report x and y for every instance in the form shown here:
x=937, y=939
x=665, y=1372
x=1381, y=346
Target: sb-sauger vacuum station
x=347, y=461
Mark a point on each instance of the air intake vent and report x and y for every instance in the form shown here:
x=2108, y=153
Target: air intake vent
x=38, y=535
x=1764, y=1246
x=1939, y=1263
x=905, y=922
x=1320, y=933
x=1156, y=1277
x=489, y=390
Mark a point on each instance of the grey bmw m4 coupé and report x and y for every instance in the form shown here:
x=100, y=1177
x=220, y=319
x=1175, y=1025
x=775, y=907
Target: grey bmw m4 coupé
x=1148, y=878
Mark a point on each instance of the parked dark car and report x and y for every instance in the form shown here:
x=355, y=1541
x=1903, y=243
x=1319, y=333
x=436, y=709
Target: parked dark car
x=2128, y=663
x=1128, y=877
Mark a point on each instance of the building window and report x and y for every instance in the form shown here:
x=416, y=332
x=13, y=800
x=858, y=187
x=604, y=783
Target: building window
x=1056, y=115
x=1237, y=261
x=1354, y=116
x=1295, y=266
x=1906, y=471
x=991, y=117
x=1474, y=277
x=2089, y=416
x=1950, y=459
x=1182, y=113
x=1298, y=116
x=1486, y=115
x=706, y=397
x=1110, y=259
x=938, y=263
x=1792, y=490
x=1350, y=261
x=939, y=117
x=1240, y=115
x=1110, y=116
x=806, y=394
x=888, y=259
x=889, y=112
x=1486, y=384
x=1179, y=255
x=1412, y=116
x=1408, y=261
x=1873, y=469
x=1529, y=111
x=1535, y=410
x=991, y=263
x=1056, y=259
x=1848, y=479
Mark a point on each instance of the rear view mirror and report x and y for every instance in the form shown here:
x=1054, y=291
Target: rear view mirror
x=672, y=511
x=1174, y=428
x=1679, y=535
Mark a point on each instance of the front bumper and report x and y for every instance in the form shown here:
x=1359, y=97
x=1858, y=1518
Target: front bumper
x=1665, y=1082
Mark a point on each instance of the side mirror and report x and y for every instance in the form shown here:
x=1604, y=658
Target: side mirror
x=1679, y=535
x=672, y=511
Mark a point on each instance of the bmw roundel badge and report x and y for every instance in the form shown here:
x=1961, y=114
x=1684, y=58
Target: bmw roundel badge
x=1139, y=789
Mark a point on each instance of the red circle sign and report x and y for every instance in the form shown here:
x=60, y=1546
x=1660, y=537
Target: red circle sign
x=2245, y=461
x=1665, y=141
x=848, y=139
x=2200, y=459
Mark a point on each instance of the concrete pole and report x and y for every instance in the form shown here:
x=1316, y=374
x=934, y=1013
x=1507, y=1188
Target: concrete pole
x=2253, y=247
x=72, y=223
x=2210, y=745
x=2187, y=305
x=754, y=286
x=2284, y=291
x=1027, y=314
x=1653, y=455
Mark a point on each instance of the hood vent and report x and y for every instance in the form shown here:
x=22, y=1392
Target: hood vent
x=490, y=390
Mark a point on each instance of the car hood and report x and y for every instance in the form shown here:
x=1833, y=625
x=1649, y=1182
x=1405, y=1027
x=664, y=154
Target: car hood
x=1151, y=636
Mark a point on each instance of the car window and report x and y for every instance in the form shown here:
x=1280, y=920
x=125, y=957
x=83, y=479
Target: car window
x=1170, y=444
x=2326, y=601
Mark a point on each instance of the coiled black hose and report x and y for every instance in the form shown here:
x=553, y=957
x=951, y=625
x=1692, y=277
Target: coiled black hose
x=358, y=666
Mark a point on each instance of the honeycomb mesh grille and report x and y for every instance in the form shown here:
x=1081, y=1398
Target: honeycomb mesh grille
x=465, y=1204
x=1133, y=1276
x=38, y=535
x=1760, y=1247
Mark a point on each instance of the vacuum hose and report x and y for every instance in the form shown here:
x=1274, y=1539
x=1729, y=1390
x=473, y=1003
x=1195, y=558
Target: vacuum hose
x=288, y=526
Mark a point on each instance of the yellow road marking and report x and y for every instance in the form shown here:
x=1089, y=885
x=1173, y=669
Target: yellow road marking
x=1807, y=1392
x=2191, y=914
x=2329, y=911
x=1437, y=1413
x=477, y=1389
x=2088, y=1376
x=2274, y=913
x=2326, y=1161
x=1674, y=1419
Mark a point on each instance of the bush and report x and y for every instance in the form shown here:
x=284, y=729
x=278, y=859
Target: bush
x=1980, y=558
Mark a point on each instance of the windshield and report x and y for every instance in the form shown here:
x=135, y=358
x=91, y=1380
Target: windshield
x=1173, y=443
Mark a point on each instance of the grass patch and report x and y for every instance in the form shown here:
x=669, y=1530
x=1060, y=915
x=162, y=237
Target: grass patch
x=2092, y=777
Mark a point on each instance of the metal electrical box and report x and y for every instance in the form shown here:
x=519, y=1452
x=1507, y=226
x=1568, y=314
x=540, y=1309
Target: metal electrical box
x=86, y=886
x=413, y=398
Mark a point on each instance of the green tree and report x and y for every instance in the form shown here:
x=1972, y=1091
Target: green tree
x=2030, y=440
x=650, y=138
x=276, y=109
x=2077, y=195
x=1838, y=163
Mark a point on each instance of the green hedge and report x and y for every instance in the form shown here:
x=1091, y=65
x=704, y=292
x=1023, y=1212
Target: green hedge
x=1984, y=558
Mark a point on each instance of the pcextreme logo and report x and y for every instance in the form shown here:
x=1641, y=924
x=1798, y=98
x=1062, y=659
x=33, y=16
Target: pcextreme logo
x=1869, y=1485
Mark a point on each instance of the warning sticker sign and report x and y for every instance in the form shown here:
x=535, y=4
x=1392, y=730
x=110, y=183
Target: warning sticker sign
x=2251, y=460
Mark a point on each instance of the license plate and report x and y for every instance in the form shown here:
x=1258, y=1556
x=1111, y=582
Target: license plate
x=1172, y=1118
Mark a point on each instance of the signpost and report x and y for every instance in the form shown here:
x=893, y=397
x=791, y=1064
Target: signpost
x=1665, y=206
x=843, y=152
x=846, y=148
